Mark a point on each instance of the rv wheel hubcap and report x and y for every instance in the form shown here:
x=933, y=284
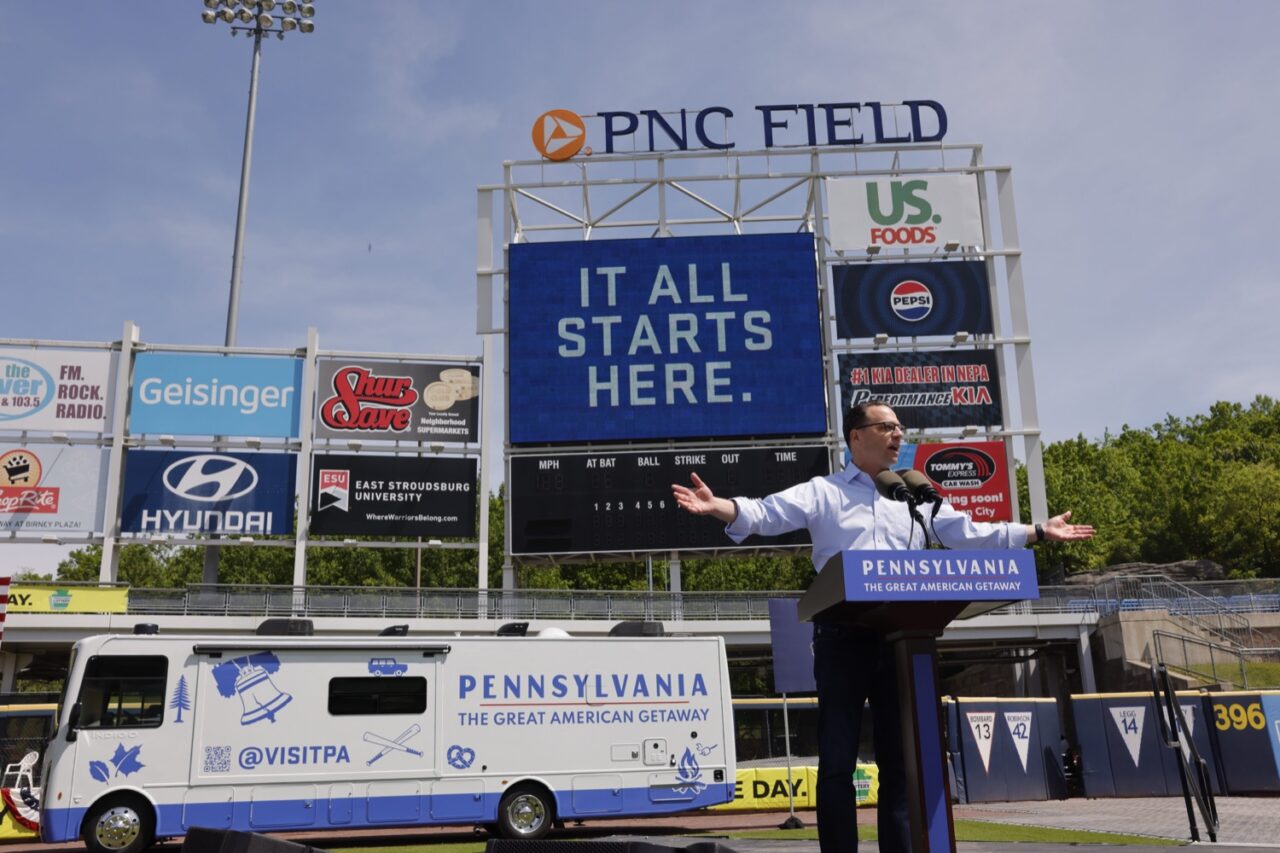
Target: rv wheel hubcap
x=118, y=828
x=526, y=813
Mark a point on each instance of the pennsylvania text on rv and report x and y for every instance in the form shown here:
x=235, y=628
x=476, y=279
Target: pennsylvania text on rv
x=940, y=566
x=583, y=686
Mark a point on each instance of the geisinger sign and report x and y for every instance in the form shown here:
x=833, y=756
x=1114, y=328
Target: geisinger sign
x=560, y=134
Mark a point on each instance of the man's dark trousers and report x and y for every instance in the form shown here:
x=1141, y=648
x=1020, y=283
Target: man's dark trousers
x=851, y=665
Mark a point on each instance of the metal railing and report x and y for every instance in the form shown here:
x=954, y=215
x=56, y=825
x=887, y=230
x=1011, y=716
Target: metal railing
x=442, y=603
x=1218, y=663
x=1157, y=592
x=1220, y=605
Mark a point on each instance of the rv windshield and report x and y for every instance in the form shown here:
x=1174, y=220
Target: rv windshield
x=122, y=691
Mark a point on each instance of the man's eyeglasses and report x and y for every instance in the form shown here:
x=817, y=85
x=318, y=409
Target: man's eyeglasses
x=885, y=427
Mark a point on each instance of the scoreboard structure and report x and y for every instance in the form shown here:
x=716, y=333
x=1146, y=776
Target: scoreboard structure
x=666, y=313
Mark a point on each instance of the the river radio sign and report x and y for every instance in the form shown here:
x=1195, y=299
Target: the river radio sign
x=691, y=337
x=57, y=390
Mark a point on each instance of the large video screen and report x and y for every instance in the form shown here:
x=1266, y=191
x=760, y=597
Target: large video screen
x=690, y=337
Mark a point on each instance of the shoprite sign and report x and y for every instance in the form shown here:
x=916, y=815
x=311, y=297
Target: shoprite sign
x=560, y=134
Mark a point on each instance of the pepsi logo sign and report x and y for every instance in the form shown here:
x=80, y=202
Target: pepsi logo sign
x=210, y=477
x=911, y=300
x=960, y=468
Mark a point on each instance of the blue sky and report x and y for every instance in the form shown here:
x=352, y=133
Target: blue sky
x=1140, y=135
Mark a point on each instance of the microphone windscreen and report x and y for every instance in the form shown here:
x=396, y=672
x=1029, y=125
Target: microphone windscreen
x=919, y=485
x=891, y=486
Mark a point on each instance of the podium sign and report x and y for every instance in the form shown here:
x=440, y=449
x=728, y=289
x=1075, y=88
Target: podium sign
x=888, y=589
x=1003, y=575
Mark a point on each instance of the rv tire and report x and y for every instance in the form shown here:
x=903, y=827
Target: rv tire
x=526, y=812
x=119, y=824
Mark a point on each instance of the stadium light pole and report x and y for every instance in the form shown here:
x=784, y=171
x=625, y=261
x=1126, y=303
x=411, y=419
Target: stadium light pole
x=255, y=18
x=252, y=17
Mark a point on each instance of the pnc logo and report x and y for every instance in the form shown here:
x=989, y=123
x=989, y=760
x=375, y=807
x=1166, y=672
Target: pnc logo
x=911, y=300
x=210, y=477
x=559, y=134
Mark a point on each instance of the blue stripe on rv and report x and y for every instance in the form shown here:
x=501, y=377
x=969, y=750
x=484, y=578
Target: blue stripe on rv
x=63, y=824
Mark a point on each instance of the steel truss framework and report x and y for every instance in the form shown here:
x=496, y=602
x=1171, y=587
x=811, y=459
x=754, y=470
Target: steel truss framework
x=687, y=193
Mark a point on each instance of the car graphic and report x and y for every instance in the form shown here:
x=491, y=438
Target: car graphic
x=387, y=666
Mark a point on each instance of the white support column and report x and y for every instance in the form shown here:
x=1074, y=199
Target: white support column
x=486, y=457
x=306, y=429
x=1022, y=345
x=108, y=571
x=1084, y=650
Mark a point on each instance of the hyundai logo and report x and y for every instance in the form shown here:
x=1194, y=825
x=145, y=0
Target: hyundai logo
x=210, y=477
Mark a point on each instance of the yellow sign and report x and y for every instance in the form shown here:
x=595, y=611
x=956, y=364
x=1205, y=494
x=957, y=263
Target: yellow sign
x=24, y=598
x=765, y=788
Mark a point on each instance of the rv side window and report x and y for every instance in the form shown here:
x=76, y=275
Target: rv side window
x=403, y=695
x=122, y=691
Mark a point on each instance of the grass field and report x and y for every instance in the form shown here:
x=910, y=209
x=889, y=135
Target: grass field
x=966, y=830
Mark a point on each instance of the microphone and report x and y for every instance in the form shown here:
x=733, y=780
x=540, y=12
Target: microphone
x=891, y=486
x=921, y=487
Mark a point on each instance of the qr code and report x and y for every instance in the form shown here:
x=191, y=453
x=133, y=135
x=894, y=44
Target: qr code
x=217, y=759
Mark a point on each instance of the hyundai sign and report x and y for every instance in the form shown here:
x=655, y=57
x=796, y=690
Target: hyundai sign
x=181, y=493
x=185, y=394
x=692, y=337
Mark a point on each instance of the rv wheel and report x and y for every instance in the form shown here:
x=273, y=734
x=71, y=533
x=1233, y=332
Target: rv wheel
x=525, y=812
x=119, y=825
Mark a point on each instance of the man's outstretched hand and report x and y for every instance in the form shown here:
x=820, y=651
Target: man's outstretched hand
x=1059, y=529
x=700, y=500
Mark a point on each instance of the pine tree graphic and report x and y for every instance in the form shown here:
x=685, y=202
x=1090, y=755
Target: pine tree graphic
x=181, y=699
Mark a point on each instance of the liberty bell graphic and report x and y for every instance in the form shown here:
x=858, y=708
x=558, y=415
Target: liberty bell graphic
x=259, y=696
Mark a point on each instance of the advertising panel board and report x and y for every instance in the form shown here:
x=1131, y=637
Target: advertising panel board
x=51, y=488
x=936, y=388
x=198, y=394
x=599, y=502
x=414, y=401
x=682, y=337
x=183, y=492
x=912, y=300
x=917, y=212
x=42, y=598
x=59, y=390
x=971, y=475
x=363, y=495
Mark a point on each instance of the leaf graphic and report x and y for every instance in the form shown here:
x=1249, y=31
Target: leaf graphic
x=99, y=771
x=129, y=762
x=117, y=757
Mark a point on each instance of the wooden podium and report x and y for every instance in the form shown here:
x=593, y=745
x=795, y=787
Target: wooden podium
x=911, y=596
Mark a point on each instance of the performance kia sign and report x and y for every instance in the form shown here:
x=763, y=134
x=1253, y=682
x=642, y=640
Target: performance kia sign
x=688, y=337
x=933, y=388
x=59, y=390
x=198, y=394
x=180, y=493
x=398, y=401
x=971, y=475
x=912, y=300
x=363, y=495
x=924, y=212
x=51, y=488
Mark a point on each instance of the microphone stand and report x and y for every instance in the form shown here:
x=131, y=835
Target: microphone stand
x=916, y=518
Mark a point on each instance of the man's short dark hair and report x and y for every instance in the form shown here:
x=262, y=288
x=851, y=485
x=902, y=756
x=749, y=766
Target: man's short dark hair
x=856, y=416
